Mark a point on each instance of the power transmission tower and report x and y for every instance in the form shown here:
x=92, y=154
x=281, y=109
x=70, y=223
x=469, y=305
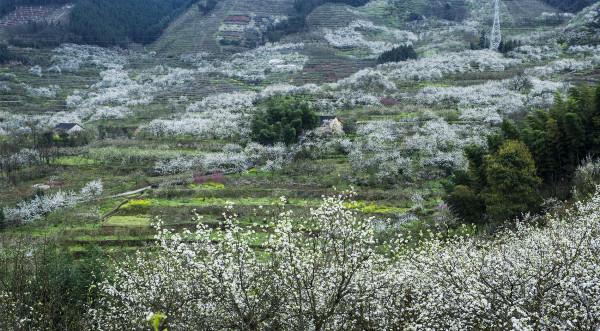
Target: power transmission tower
x=496, y=37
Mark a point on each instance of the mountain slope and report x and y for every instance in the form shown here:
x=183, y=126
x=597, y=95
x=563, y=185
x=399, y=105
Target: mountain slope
x=585, y=27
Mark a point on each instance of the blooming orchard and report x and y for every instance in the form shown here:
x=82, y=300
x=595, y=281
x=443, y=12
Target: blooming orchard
x=352, y=37
x=40, y=205
x=323, y=273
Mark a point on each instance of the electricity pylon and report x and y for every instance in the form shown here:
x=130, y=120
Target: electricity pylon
x=496, y=36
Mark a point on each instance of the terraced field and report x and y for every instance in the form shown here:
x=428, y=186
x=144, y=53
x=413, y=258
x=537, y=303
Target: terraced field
x=400, y=143
x=193, y=32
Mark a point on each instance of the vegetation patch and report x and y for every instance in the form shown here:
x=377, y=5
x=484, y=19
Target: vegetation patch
x=128, y=221
x=374, y=208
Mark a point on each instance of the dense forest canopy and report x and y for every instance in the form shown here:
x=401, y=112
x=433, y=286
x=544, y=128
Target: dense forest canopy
x=570, y=5
x=541, y=155
x=106, y=22
x=304, y=7
x=7, y=6
x=101, y=22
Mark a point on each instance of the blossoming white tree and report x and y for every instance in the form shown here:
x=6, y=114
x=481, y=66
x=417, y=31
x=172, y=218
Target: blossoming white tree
x=36, y=208
x=323, y=273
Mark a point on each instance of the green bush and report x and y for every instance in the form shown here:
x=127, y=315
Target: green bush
x=500, y=184
x=512, y=183
x=284, y=120
x=398, y=54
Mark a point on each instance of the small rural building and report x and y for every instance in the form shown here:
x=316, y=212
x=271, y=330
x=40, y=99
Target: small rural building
x=68, y=128
x=331, y=124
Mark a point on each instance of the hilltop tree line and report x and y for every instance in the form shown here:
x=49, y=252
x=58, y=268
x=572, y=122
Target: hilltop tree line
x=570, y=5
x=6, y=6
x=107, y=22
x=112, y=22
x=525, y=163
x=102, y=22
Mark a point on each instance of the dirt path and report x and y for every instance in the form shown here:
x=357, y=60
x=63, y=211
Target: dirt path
x=124, y=194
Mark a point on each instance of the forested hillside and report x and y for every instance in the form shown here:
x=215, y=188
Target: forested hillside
x=7, y=6
x=108, y=22
x=330, y=165
x=569, y=5
x=100, y=22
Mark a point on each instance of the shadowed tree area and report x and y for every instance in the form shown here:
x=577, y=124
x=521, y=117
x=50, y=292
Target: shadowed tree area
x=284, y=121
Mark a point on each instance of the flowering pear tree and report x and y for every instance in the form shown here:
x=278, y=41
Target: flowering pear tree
x=325, y=273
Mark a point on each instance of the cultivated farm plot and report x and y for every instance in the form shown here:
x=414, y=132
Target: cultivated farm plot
x=194, y=32
x=393, y=118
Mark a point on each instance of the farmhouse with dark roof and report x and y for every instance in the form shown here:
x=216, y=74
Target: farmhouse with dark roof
x=68, y=128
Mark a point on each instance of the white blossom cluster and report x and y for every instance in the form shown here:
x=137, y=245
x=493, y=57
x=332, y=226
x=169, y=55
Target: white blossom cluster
x=439, y=144
x=13, y=123
x=238, y=102
x=563, y=66
x=228, y=284
x=50, y=91
x=535, y=53
x=4, y=87
x=582, y=29
x=255, y=65
x=434, y=68
x=584, y=49
x=354, y=36
x=269, y=158
x=366, y=80
x=215, y=125
x=118, y=92
x=40, y=205
x=23, y=158
x=71, y=57
x=490, y=100
x=230, y=160
x=36, y=71
x=287, y=89
x=386, y=165
x=542, y=92
x=224, y=162
x=390, y=151
x=220, y=116
x=453, y=63
x=325, y=273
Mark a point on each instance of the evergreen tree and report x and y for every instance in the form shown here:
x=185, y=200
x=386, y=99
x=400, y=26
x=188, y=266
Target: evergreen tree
x=283, y=121
x=467, y=203
x=512, y=182
x=465, y=197
x=398, y=54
